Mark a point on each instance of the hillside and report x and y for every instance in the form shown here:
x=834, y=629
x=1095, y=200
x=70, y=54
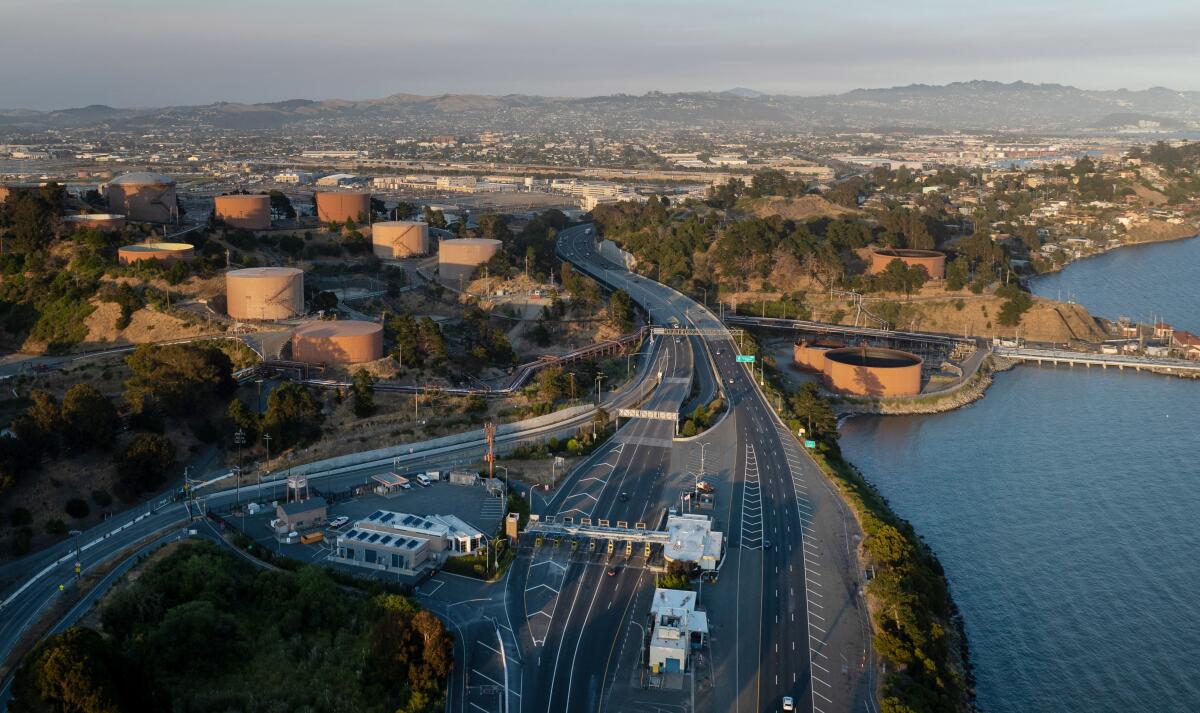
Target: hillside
x=980, y=105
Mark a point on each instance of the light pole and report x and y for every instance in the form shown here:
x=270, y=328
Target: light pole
x=599, y=377
x=267, y=439
x=505, y=469
x=702, y=447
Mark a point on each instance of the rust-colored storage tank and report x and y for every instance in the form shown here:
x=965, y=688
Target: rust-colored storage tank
x=340, y=342
x=811, y=355
x=458, y=257
x=933, y=261
x=264, y=293
x=874, y=372
x=166, y=252
x=252, y=212
x=143, y=196
x=337, y=206
x=99, y=221
x=5, y=192
x=397, y=239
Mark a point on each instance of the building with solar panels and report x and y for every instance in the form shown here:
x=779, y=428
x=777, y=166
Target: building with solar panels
x=403, y=543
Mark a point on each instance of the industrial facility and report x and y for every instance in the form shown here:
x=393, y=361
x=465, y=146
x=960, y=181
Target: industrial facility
x=164, y=252
x=933, y=261
x=811, y=354
x=252, y=212
x=396, y=239
x=458, y=258
x=338, y=342
x=97, y=221
x=872, y=371
x=143, y=196
x=340, y=206
x=395, y=541
x=264, y=293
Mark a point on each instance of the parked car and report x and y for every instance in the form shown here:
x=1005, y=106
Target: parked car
x=338, y=521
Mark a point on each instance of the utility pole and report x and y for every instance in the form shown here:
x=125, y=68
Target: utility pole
x=78, y=555
x=489, y=432
x=267, y=439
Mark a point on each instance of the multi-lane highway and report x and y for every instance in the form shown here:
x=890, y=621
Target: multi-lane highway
x=787, y=615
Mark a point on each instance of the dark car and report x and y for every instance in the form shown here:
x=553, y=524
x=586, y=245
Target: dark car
x=623, y=497
x=613, y=571
x=766, y=544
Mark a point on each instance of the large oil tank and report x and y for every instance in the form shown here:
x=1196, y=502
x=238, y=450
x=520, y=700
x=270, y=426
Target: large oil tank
x=252, y=212
x=143, y=196
x=98, y=221
x=811, y=354
x=397, y=239
x=874, y=372
x=264, y=293
x=165, y=252
x=339, y=342
x=459, y=257
x=933, y=261
x=337, y=206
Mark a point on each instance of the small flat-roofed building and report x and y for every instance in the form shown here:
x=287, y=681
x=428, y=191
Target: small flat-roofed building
x=446, y=533
x=678, y=628
x=303, y=515
x=384, y=551
x=692, y=539
x=390, y=483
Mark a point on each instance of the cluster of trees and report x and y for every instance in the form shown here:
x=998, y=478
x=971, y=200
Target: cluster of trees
x=702, y=417
x=419, y=344
x=555, y=383
x=620, y=311
x=898, y=277
x=203, y=630
x=484, y=343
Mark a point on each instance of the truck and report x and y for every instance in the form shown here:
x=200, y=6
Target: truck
x=310, y=537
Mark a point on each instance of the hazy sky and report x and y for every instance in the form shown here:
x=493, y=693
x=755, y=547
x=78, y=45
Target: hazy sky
x=62, y=53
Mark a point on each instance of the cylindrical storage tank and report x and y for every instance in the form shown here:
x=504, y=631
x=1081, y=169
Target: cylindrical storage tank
x=143, y=196
x=874, y=372
x=5, y=192
x=252, y=212
x=397, y=239
x=458, y=257
x=99, y=221
x=933, y=261
x=337, y=206
x=340, y=342
x=811, y=355
x=264, y=293
x=166, y=252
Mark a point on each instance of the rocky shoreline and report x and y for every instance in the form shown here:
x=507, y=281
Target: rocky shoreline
x=954, y=398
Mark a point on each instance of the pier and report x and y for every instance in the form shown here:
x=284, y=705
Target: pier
x=1055, y=357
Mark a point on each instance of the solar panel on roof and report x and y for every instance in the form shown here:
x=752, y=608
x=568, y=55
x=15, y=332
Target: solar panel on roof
x=376, y=515
x=408, y=519
x=386, y=539
x=411, y=544
x=389, y=516
x=373, y=538
x=363, y=535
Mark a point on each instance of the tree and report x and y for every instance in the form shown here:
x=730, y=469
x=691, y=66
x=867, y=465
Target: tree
x=364, y=394
x=958, y=273
x=293, y=416
x=178, y=375
x=818, y=417
x=76, y=671
x=282, y=205
x=241, y=417
x=621, y=311
x=89, y=419
x=143, y=464
x=403, y=211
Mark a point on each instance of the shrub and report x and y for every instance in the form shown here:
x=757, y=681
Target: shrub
x=78, y=508
x=54, y=526
x=22, y=541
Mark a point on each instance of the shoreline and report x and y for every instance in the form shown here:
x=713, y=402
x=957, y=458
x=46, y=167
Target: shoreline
x=1104, y=251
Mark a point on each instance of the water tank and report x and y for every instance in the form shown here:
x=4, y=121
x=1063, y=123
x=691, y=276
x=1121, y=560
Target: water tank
x=337, y=206
x=165, y=252
x=252, y=212
x=98, y=221
x=338, y=342
x=143, y=196
x=397, y=239
x=811, y=355
x=933, y=261
x=264, y=293
x=874, y=372
x=458, y=258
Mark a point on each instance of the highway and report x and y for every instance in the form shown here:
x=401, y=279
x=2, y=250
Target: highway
x=787, y=616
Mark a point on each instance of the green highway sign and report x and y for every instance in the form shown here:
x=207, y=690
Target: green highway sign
x=810, y=444
x=745, y=358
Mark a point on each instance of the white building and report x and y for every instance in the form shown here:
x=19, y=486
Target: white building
x=338, y=179
x=678, y=628
x=692, y=539
x=294, y=177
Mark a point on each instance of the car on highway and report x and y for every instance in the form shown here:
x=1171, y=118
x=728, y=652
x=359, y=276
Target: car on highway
x=614, y=571
x=623, y=497
x=788, y=703
x=338, y=521
x=766, y=544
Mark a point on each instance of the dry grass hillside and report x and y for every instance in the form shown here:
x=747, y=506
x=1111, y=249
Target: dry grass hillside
x=1158, y=230
x=145, y=326
x=801, y=208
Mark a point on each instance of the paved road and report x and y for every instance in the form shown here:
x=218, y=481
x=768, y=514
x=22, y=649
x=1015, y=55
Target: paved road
x=787, y=617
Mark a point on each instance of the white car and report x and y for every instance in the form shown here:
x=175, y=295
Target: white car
x=788, y=703
x=339, y=521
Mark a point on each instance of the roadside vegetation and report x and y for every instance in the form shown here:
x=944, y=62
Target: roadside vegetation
x=203, y=630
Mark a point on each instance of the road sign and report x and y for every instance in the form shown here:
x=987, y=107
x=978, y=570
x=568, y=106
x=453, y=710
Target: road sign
x=810, y=444
x=745, y=358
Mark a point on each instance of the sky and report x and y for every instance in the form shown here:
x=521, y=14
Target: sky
x=138, y=53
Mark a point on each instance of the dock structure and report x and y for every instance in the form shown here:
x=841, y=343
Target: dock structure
x=1055, y=357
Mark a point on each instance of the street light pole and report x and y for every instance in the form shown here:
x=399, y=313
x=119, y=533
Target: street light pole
x=78, y=554
x=267, y=439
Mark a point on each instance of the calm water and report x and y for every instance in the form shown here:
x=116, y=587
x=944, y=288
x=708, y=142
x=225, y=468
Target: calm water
x=1160, y=279
x=1064, y=508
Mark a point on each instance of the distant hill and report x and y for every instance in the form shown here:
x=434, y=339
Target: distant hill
x=977, y=105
